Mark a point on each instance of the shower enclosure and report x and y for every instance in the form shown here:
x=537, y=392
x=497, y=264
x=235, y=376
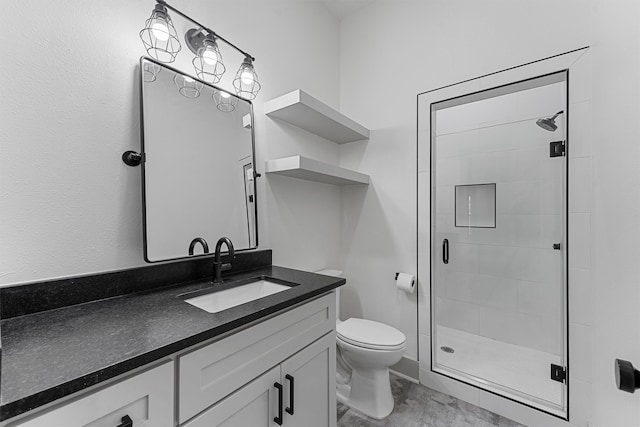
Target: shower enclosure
x=498, y=238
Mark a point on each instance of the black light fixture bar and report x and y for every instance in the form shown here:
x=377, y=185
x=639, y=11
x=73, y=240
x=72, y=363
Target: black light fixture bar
x=208, y=30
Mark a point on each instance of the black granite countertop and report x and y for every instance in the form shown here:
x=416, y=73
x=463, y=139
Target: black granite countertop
x=52, y=354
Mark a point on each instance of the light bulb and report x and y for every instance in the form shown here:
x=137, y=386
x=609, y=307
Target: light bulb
x=209, y=56
x=246, y=77
x=246, y=81
x=160, y=30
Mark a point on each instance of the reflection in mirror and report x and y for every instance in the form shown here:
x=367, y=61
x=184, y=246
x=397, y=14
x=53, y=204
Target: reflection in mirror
x=198, y=176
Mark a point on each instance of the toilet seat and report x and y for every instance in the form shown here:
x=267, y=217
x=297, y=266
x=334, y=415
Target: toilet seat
x=370, y=334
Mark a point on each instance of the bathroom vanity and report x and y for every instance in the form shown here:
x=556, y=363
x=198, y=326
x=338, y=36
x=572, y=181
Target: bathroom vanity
x=154, y=346
x=152, y=359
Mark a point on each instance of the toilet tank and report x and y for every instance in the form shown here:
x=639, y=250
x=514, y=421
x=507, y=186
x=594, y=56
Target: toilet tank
x=335, y=273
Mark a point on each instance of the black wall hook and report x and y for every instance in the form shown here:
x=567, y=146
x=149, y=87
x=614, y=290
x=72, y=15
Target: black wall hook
x=131, y=158
x=627, y=377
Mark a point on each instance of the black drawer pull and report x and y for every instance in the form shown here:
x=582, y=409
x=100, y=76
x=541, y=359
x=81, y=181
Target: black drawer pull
x=291, y=394
x=278, y=419
x=445, y=251
x=126, y=421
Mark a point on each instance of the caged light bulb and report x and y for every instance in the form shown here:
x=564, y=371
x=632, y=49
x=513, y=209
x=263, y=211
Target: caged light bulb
x=160, y=30
x=209, y=56
x=246, y=77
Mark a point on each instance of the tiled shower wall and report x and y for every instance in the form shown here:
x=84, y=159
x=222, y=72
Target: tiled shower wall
x=503, y=283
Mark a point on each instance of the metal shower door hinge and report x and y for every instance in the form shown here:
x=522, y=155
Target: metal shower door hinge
x=556, y=149
x=558, y=373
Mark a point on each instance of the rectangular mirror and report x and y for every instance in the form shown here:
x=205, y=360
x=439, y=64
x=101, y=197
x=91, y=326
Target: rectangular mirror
x=198, y=164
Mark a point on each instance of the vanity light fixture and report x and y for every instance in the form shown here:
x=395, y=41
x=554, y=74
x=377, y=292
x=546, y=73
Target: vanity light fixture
x=188, y=87
x=208, y=62
x=159, y=35
x=224, y=100
x=246, y=81
x=161, y=41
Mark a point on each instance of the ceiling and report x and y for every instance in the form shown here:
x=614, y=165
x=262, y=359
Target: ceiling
x=343, y=8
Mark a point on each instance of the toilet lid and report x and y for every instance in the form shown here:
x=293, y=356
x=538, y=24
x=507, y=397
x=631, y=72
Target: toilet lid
x=370, y=334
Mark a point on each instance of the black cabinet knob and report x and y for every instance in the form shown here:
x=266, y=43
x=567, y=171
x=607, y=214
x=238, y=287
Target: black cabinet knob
x=627, y=377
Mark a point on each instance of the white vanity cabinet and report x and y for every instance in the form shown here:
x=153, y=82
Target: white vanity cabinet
x=295, y=350
x=309, y=384
x=298, y=392
x=146, y=399
x=282, y=365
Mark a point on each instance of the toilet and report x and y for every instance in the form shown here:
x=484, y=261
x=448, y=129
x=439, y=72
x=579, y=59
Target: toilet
x=365, y=350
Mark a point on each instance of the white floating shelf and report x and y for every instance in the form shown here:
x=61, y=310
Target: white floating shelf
x=304, y=111
x=313, y=170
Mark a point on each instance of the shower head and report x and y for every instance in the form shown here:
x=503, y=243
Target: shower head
x=549, y=123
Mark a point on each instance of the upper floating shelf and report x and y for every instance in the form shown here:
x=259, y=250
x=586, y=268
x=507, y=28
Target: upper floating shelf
x=306, y=112
x=313, y=170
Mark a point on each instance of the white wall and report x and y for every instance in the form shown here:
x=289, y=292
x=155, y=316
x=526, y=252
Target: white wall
x=614, y=225
x=413, y=46
x=70, y=107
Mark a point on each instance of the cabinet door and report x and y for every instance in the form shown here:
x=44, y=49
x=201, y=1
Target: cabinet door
x=254, y=405
x=212, y=372
x=310, y=385
x=146, y=398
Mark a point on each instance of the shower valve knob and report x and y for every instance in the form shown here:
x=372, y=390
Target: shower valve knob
x=627, y=377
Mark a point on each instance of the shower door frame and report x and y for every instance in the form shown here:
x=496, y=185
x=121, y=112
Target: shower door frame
x=557, y=64
x=469, y=379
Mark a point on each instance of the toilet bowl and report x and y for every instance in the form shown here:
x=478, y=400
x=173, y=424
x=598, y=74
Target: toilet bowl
x=365, y=350
x=369, y=348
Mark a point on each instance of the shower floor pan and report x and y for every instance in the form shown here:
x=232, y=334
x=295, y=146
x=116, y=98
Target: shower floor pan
x=517, y=372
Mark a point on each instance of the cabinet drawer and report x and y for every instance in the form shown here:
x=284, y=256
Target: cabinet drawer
x=213, y=372
x=146, y=398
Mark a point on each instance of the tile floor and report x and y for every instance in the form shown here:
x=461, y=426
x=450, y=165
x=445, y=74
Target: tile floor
x=419, y=406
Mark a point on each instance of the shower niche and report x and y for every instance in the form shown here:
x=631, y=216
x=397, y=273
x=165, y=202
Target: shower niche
x=475, y=205
x=496, y=208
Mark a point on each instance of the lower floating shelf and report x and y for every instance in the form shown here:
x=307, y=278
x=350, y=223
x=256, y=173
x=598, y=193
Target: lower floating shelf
x=313, y=170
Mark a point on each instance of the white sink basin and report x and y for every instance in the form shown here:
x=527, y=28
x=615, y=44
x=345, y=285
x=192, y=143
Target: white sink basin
x=216, y=301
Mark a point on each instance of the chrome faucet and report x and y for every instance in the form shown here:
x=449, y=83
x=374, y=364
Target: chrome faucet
x=218, y=266
x=200, y=240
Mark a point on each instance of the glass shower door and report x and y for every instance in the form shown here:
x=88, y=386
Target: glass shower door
x=498, y=241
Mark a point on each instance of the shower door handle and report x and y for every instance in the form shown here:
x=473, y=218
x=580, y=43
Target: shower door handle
x=445, y=251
